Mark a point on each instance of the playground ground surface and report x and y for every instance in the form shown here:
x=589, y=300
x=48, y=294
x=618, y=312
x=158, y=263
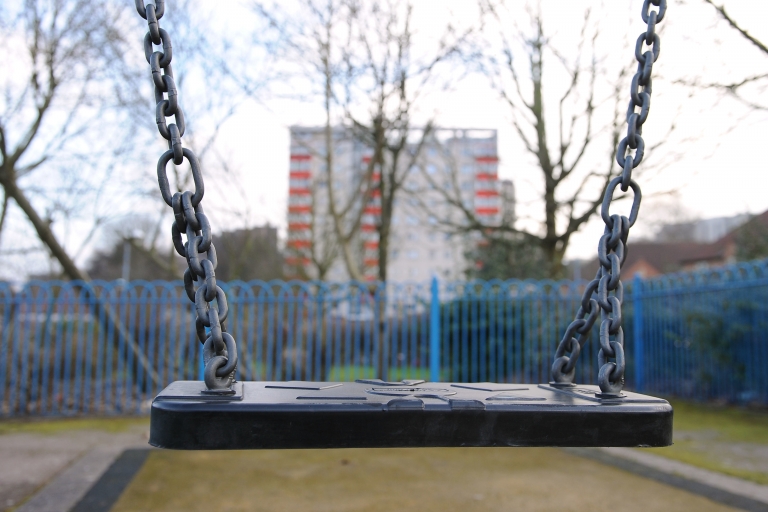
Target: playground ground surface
x=729, y=440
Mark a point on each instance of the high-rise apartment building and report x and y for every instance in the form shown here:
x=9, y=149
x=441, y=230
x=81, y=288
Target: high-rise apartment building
x=454, y=169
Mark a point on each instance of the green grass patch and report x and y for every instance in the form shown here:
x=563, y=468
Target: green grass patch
x=692, y=453
x=55, y=426
x=345, y=373
x=707, y=436
x=732, y=424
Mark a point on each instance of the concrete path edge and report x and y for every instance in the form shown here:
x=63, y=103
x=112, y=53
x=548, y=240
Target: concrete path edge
x=107, y=490
x=655, y=468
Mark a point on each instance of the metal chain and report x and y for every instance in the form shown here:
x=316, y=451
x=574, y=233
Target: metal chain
x=219, y=347
x=612, y=250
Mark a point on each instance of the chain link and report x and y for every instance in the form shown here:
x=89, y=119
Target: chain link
x=612, y=249
x=219, y=347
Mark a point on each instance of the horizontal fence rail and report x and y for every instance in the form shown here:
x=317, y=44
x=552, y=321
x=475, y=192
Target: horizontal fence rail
x=109, y=347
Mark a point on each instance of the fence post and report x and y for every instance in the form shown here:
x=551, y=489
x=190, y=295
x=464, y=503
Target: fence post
x=637, y=300
x=201, y=359
x=434, y=332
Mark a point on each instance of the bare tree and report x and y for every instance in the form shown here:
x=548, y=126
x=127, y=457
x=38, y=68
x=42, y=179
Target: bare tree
x=749, y=90
x=323, y=250
x=363, y=55
x=71, y=117
x=70, y=76
x=390, y=81
x=309, y=42
x=565, y=135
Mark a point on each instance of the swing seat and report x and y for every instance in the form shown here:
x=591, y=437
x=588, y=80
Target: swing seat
x=411, y=413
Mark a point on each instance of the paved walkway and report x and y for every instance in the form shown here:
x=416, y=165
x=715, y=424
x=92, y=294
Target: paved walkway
x=730, y=491
x=61, y=466
x=727, y=483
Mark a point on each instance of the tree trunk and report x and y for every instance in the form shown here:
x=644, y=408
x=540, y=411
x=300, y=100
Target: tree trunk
x=102, y=311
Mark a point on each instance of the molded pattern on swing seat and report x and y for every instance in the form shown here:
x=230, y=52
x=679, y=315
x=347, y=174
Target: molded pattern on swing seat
x=377, y=414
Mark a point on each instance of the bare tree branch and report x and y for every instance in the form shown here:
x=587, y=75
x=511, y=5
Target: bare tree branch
x=721, y=10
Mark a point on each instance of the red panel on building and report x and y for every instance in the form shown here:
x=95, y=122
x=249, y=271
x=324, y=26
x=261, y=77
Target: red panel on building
x=301, y=157
x=486, y=193
x=300, y=174
x=487, y=159
x=486, y=211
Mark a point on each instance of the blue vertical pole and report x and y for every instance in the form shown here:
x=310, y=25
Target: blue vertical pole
x=201, y=366
x=637, y=300
x=434, y=332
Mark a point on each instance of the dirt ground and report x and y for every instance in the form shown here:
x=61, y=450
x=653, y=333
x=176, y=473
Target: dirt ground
x=425, y=480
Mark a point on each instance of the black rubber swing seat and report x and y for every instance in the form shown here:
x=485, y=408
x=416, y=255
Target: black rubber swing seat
x=410, y=413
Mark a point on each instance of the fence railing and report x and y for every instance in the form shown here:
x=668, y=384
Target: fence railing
x=109, y=347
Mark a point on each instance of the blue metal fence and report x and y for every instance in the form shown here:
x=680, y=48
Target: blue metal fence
x=108, y=347
x=703, y=334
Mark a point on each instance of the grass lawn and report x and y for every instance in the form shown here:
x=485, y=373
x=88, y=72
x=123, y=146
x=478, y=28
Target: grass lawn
x=351, y=372
x=730, y=440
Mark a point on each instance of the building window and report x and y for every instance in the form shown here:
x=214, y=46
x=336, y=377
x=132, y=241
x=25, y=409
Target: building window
x=414, y=255
x=431, y=169
x=467, y=169
x=395, y=254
